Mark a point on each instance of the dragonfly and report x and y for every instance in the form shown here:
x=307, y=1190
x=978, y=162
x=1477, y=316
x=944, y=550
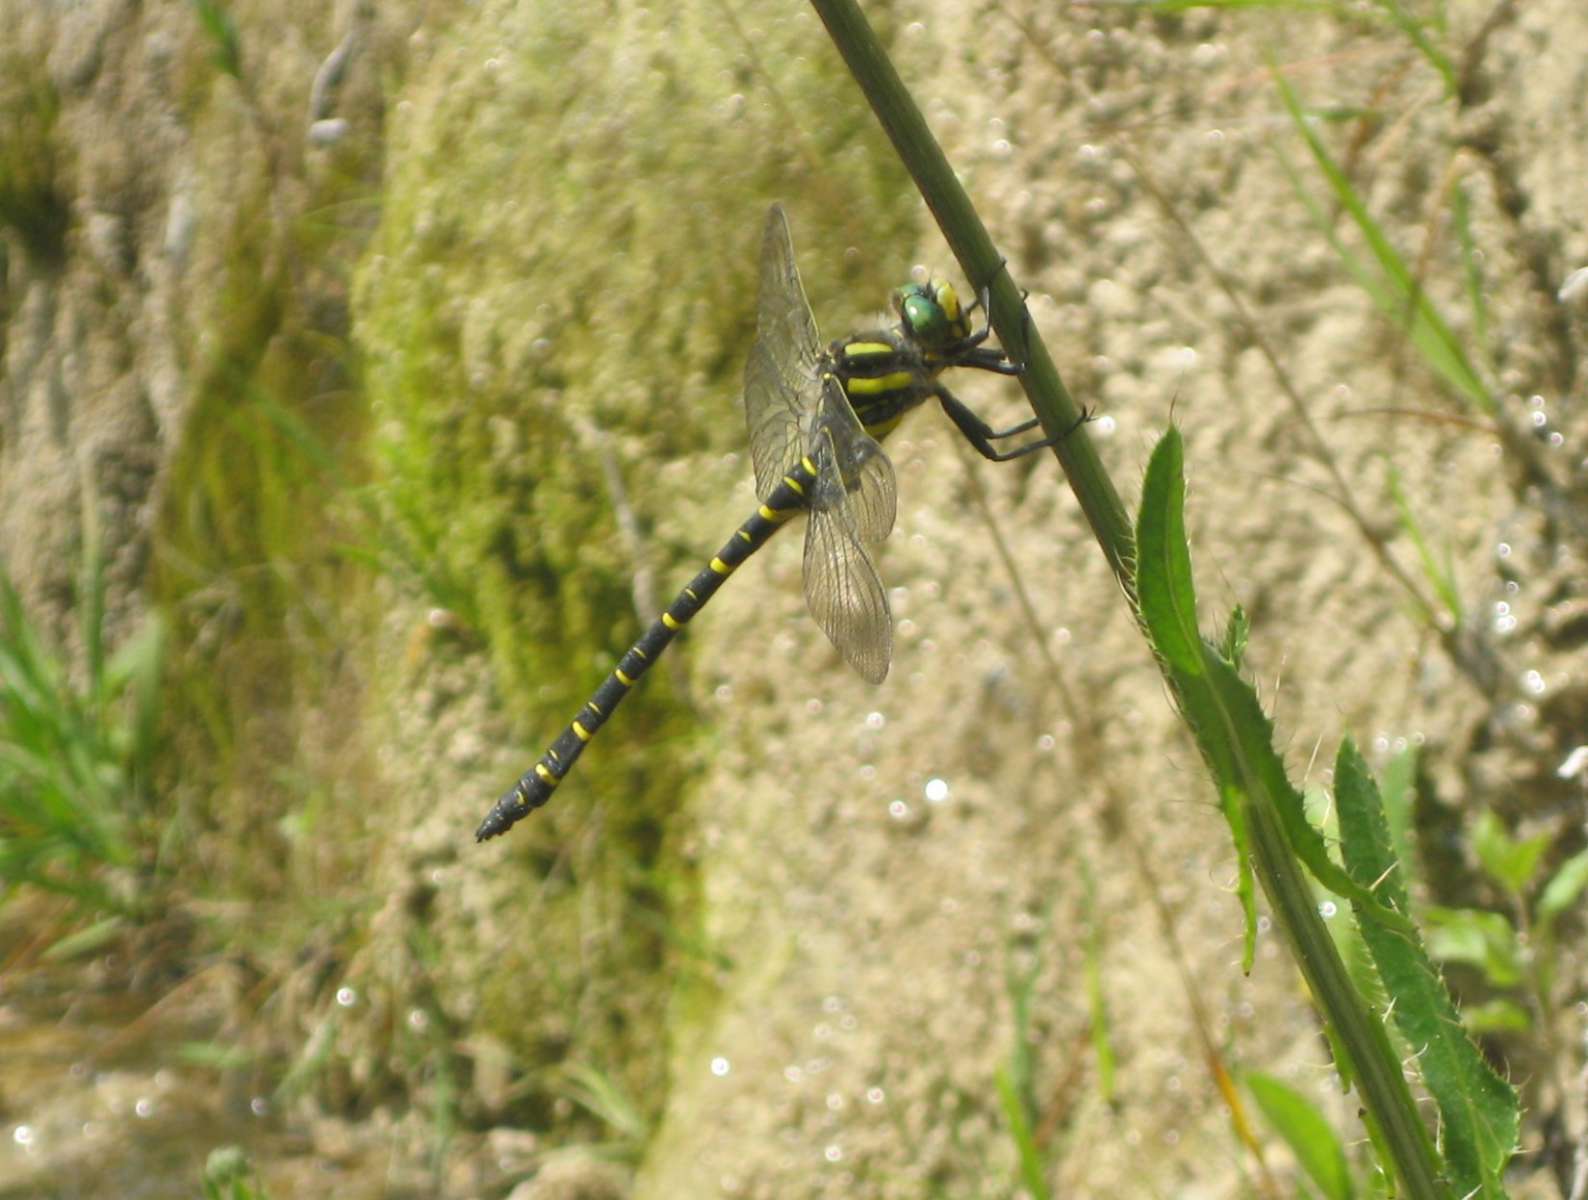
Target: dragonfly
x=817, y=416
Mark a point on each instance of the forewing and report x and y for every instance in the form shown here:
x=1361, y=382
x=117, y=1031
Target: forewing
x=781, y=380
x=772, y=411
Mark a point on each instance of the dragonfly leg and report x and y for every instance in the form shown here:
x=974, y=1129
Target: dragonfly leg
x=971, y=353
x=982, y=435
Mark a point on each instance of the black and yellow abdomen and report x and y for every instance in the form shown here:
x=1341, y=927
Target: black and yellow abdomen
x=534, y=788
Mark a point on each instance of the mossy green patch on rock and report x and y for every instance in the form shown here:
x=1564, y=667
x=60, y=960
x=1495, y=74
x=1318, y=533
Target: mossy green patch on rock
x=563, y=283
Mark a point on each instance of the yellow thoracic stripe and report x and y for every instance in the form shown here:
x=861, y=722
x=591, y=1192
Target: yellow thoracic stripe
x=863, y=349
x=893, y=382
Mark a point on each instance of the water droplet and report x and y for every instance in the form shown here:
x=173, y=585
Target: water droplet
x=720, y=1066
x=259, y=1106
x=723, y=693
x=1503, y=550
x=833, y=1153
x=898, y=810
x=793, y=1074
x=1576, y=763
x=1575, y=287
x=143, y=1107
x=835, y=1102
x=23, y=1135
x=936, y=791
x=875, y=720
x=1533, y=683
x=346, y=996
x=1045, y=743
x=875, y=1095
x=1328, y=909
x=418, y=1020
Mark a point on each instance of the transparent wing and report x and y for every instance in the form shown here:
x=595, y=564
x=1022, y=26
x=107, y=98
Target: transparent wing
x=852, y=505
x=853, y=469
x=845, y=595
x=782, y=383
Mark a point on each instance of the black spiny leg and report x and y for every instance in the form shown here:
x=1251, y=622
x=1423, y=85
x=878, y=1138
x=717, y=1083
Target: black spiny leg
x=982, y=435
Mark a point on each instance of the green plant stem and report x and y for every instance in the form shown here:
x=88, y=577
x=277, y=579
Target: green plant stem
x=983, y=266
x=1382, y=1084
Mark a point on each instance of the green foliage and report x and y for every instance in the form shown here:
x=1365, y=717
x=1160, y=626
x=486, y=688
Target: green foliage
x=33, y=200
x=1015, y=1079
x=1492, y=943
x=1268, y=818
x=1479, y=1114
x=75, y=758
x=602, y=1095
x=1391, y=284
x=1307, y=1132
x=220, y=30
x=1439, y=572
x=229, y=1175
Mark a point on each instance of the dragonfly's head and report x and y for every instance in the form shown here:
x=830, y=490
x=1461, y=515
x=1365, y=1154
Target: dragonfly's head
x=931, y=313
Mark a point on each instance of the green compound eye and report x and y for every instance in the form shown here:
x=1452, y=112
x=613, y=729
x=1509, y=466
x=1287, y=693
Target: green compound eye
x=924, y=316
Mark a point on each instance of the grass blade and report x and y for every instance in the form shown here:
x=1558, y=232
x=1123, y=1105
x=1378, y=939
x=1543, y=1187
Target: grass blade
x=1393, y=288
x=1306, y=1132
